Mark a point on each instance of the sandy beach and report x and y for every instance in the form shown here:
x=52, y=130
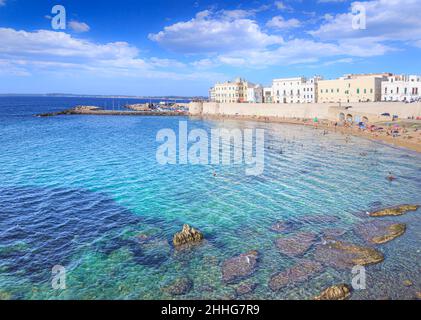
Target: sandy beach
x=409, y=135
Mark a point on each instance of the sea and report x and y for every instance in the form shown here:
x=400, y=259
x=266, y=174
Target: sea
x=86, y=195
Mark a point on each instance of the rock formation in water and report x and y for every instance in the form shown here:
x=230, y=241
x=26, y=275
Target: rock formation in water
x=239, y=267
x=5, y=296
x=245, y=288
x=408, y=283
x=337, y=292
x=394, y=231
x=345, y=255
x=179, y=287
x=379, y=232
x=394, y=211
x=296, y=245
x=281, y=227
x=300, y=272
x=188, y=235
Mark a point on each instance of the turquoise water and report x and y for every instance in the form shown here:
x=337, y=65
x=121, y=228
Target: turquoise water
x=78, y=191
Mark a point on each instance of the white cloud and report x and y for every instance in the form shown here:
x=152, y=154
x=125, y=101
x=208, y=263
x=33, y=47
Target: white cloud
x=301, y=51
x=279, y=22
x=280, y=5
x=204, y=63
x=214, y=32
x=231, y=39
x=330, y=1
x=2, y=3
x=387, y=20
x=23, y=53
x=79, y=27
x=59, y=44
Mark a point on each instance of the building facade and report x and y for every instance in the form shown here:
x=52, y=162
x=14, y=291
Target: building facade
x=254, y=93
x=231, y=91
x=402, y=88
x=295, y=90
x=352, y=88
x=267, y=95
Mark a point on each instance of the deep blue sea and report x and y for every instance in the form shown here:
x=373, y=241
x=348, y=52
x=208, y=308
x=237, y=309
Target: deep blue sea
x=87, y=193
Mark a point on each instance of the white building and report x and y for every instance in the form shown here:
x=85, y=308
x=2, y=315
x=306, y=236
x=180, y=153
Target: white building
x=254, y=93
x=267, y=95
x=295, y=90
x=230, y=91
x=402, y=88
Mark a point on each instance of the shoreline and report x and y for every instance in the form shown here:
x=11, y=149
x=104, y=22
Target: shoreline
x=323, y=124
x=400, y=142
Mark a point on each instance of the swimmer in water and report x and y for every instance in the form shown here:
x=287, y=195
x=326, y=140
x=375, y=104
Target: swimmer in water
x=391, y=177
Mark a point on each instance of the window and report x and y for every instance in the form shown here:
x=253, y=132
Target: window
x=358, y=91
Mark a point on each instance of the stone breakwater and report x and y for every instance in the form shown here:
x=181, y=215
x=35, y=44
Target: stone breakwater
x=96, y=111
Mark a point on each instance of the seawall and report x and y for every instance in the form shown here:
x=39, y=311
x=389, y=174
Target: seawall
x=358, y=111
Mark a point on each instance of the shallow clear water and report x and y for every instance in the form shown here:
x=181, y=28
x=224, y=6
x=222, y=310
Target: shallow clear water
x=77, y=191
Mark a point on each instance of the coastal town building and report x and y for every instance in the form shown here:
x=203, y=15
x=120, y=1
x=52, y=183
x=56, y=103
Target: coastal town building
x=352, y=88
x=402, y=88
x=231, y=91
x=267, y=95
x=295, y=90
x=254, y=93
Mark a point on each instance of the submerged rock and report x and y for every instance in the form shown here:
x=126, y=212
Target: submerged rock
x=296, y=245
x=344, y=255
x=394, y=231
x=333, y=233
x=300, y=272
x=5, y=296
x=188, y=235
x=317, y=219
x=408, y=283
x=245, y=288
x=337, y=292
x=239, y=267
x=281, y=226
x=179, y=287
x=394, y=211
x=379, y=232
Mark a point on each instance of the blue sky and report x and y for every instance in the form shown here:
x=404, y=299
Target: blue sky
x=167, y=47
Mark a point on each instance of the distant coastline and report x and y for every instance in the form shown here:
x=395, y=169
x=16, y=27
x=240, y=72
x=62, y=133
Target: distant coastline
x=70, y=95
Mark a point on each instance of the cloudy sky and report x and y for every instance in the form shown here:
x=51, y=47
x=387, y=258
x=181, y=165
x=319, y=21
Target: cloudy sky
x=168, y=47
